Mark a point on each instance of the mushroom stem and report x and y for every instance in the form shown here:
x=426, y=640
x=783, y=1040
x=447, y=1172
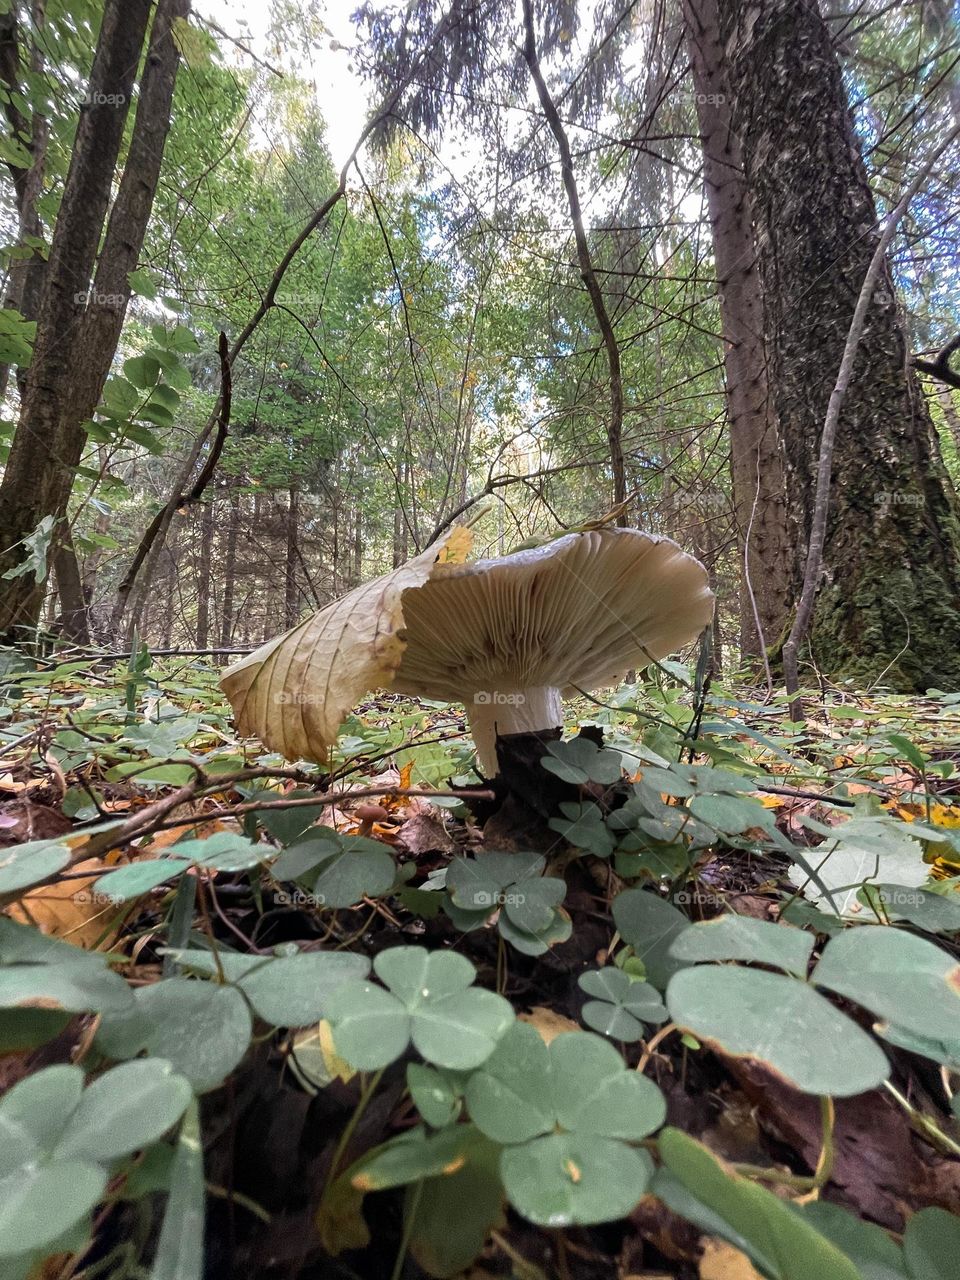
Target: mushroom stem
x=497, y=712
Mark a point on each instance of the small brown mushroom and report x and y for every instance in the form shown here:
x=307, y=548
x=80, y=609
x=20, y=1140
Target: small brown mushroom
x=368, y=814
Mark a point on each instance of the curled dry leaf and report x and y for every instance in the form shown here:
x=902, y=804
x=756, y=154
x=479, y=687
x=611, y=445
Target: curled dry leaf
x=294, y=692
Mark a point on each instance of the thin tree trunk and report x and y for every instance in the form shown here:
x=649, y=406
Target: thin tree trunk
x=291, y=598
x=78, y=328
x=950, y=413
x=203, y=575
x=755, y=454
x=230, y=571
x=889, y=601
x=587, y=272
x=73, y=603
x=25, y=281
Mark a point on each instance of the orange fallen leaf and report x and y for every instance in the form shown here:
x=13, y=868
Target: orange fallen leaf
x=547, y=1023
x=70, y=910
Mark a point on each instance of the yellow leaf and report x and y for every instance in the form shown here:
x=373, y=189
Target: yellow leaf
x=315, y=1061
x=547, y=1023
x=70, y=910
x=721, y=1261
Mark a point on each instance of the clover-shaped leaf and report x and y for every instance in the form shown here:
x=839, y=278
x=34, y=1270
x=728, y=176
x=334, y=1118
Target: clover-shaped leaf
x=339, y=871
x=61, y=1139
x=567, y=1179
x=901, y=978
x=40, y=975
x=650, y=925
x=512, y=884
x=580, y=761
x=780, y=1021
x=164, y=1022
x=535, y=944
x=565, y=1115
x=430, y=1001
x=733, y=937
x=622, y=1004
x=225, y=851
x=140, y=877
x=288, y=989
x=436, y=1093
x=26, y=864
x=730, y=815
x=584, y=826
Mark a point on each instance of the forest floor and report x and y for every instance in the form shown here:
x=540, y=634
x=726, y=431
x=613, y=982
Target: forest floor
x=86, y=744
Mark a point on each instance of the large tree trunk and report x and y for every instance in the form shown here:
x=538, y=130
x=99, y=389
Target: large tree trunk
x=79, y=326
x=755, y=453
x=889, y=604
x=25, y=279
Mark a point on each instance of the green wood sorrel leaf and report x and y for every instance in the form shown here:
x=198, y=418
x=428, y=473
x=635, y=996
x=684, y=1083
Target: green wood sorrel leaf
x=24, y=865
x=650, y=925
x=732, y=937
x=781, y=1022
x=622, y=1004
x=289, y=989
x=435, y=1094
x=164, y=1023
x=565, y=1115
x=513, y=884
x=430, y=1000
x=581, y=761
x=59, y=1141
x=931, y=1244
x=905, y=980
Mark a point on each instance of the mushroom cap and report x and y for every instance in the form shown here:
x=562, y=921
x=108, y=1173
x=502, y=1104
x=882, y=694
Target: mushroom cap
x=575, y=613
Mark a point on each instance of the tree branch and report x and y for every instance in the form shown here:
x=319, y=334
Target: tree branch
x=587, y=272
x=940, y=367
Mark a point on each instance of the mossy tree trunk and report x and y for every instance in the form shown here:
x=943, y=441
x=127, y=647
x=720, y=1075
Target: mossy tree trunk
x=889, y=603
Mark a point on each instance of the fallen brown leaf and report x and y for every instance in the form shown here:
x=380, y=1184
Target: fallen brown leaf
x=721, y=1261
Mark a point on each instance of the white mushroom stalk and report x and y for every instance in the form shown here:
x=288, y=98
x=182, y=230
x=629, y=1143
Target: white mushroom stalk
x=509, y=637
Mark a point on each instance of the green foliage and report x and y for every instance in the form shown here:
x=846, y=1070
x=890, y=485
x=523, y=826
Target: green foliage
x=784, y=1245
x=622, y=1004
x=62, y=1142
x=513, y=885
x=430, y=1000
x=565, y=1115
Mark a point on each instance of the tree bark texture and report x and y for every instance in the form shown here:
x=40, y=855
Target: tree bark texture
x=755, y=454
x=79, y=322
x=889, y=603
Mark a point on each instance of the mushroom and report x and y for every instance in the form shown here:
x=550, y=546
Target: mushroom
x=508, y=636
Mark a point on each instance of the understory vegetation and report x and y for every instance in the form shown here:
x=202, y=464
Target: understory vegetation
x=715, y=1020
x=479, y=640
